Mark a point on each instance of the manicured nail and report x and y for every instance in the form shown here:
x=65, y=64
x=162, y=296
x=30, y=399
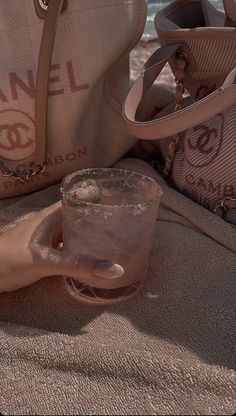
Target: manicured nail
x=108, y=270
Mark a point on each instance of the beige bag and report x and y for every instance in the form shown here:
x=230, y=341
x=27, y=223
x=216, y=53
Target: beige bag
x=199, y=147
x=78, y=123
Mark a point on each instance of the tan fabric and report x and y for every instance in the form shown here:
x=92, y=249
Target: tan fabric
x=202, y=164
x=89, y=79
x=204, y=160
x=170, y=350
x=198, y=112
x=210, y=46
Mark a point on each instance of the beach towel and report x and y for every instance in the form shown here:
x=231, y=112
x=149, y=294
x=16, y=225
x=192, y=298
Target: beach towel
x=168, y=350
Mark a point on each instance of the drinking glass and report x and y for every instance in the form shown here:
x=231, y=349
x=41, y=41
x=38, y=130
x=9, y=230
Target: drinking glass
x=110, y=214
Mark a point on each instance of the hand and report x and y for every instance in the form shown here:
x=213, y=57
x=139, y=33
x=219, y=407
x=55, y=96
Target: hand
x=28, y=252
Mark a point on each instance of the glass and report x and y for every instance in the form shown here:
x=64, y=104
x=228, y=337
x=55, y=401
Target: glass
x=110, y=214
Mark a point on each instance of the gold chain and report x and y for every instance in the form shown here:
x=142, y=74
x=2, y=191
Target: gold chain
x=225, y=204
x=179, y=91
x=35, y=168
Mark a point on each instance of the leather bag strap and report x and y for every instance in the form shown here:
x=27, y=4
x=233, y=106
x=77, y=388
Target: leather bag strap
x=44, y=63
x=183, y=119
x=41, y=97
x=230, y=12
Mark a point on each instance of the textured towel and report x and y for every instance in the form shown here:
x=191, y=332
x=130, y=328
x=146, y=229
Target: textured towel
x=169, y=350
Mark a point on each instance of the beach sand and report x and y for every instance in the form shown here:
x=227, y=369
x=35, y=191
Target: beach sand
x=139, y=56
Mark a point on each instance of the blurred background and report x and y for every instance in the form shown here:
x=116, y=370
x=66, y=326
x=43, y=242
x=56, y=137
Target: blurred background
x=154, y=6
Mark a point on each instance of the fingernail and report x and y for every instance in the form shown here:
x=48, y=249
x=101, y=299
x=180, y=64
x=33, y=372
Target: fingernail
x=108, y=270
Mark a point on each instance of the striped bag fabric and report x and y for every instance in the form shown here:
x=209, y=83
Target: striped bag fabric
x=196, y=134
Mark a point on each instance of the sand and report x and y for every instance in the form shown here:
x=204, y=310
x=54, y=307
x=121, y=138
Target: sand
x=141, y=53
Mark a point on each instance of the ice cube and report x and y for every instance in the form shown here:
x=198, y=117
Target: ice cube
x=87, y=191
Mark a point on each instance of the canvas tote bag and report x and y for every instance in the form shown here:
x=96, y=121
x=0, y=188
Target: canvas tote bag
x=197, y=133
x=64, y=73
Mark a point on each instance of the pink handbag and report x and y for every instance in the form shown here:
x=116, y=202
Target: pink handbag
x=64, y=74
x=196, y=134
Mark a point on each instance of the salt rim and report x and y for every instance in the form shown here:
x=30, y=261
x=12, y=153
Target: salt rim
x=65, y=186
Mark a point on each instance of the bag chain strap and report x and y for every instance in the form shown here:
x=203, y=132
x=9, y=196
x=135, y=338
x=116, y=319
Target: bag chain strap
x=182, y=62
x=227, y=203
x=38, y=166
x=23, y=175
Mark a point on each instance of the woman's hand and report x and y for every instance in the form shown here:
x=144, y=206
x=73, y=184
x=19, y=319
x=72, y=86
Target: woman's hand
x=28, y=253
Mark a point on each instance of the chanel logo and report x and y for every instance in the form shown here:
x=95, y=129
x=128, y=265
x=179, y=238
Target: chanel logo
x=203, y=142
x=16, y=135
x=15, y=140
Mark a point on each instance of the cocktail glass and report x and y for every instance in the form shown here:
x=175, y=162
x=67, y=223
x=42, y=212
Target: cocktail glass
x=110, y=214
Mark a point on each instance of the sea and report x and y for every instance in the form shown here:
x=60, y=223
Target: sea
x=154, y=6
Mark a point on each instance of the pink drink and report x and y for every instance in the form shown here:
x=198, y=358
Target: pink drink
x=110, y=214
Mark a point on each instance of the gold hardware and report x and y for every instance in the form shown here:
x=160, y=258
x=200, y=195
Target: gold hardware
x=41, y=7
x=225, y=204
x=44, y=4
x=182, y=62
x=221, y=90
x=24, y=175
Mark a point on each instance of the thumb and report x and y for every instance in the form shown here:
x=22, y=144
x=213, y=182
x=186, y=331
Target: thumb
x=83, y=268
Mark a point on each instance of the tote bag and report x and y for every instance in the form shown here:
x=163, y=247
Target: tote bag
x=64, y=73
x=196, y=134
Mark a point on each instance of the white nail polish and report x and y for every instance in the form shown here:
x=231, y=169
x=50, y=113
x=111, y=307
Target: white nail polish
x=108, y=270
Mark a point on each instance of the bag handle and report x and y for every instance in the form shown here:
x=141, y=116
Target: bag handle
x=230, y=12
x=41, y=99
x=182, y=119
x=44, y=63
